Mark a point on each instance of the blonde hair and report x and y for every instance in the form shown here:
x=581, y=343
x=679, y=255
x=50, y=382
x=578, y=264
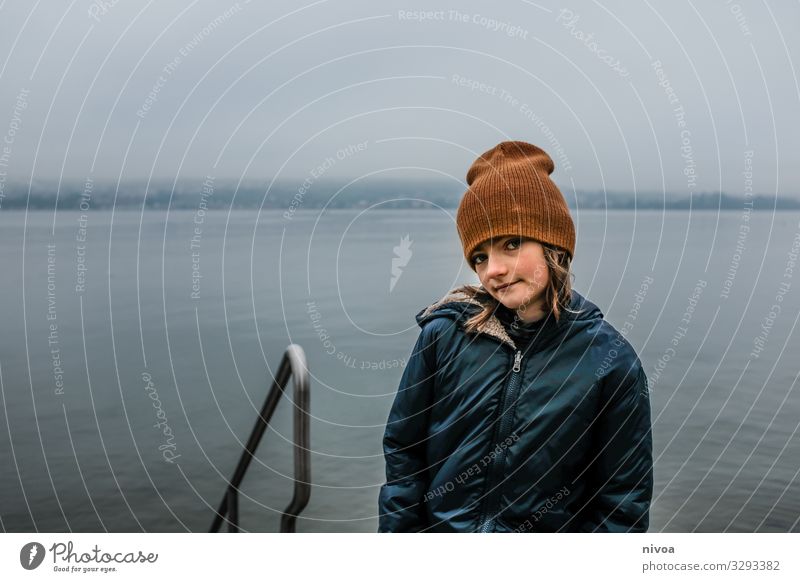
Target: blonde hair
x=558, y=292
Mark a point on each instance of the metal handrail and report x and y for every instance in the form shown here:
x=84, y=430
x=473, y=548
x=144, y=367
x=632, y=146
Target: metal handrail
x=293, y=364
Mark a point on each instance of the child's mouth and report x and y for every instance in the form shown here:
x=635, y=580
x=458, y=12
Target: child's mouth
x=503, y=289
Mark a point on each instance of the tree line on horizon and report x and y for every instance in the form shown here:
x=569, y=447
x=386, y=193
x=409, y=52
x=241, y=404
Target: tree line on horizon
x=383, y=195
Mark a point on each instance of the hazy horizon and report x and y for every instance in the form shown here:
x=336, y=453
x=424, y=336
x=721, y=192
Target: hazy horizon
x=623, y=96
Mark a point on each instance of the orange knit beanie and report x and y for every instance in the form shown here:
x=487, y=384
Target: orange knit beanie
x=510, y=193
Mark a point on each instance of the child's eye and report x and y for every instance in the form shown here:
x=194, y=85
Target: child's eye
x=515, y=242
x=476, y=259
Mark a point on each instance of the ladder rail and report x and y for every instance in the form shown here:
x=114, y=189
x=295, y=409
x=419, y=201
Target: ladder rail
x=293, y=365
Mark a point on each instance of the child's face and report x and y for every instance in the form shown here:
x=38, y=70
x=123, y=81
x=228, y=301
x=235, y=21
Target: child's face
x=519, y=261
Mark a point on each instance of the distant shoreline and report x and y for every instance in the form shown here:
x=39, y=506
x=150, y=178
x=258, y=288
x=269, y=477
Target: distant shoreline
x=384, y=196
x=378, y=209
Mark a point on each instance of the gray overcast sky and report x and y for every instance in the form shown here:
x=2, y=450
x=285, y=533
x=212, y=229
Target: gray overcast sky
x=626, y=95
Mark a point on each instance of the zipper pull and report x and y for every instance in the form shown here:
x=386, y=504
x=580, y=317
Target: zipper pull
x=517, y=361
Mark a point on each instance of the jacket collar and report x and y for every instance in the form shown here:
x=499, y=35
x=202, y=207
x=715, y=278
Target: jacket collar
x=456, y=303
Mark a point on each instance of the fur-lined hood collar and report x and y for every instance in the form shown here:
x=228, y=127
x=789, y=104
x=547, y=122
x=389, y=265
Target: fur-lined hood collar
x=458, y=304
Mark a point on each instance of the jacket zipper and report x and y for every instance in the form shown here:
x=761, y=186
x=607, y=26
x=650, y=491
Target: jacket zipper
x=507, y=402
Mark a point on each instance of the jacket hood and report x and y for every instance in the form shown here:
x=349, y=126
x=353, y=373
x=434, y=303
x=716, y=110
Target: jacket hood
x=458, y=305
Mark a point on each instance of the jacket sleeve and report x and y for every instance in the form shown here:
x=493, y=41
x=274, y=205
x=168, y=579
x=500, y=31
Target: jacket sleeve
x=401, y=505
x=622, y=478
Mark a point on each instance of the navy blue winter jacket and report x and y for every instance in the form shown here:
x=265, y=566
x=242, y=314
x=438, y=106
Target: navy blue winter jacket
x=484, y=437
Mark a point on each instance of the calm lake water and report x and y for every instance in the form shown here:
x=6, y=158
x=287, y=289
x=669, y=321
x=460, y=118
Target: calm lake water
x=197, y=310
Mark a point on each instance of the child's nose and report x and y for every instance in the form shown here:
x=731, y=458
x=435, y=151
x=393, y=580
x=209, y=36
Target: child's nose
x=496, y=266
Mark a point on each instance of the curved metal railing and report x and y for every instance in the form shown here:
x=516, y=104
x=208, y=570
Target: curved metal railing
x=293, y=364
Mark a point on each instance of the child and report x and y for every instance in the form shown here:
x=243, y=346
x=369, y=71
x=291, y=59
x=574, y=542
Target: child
x=521, y=409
